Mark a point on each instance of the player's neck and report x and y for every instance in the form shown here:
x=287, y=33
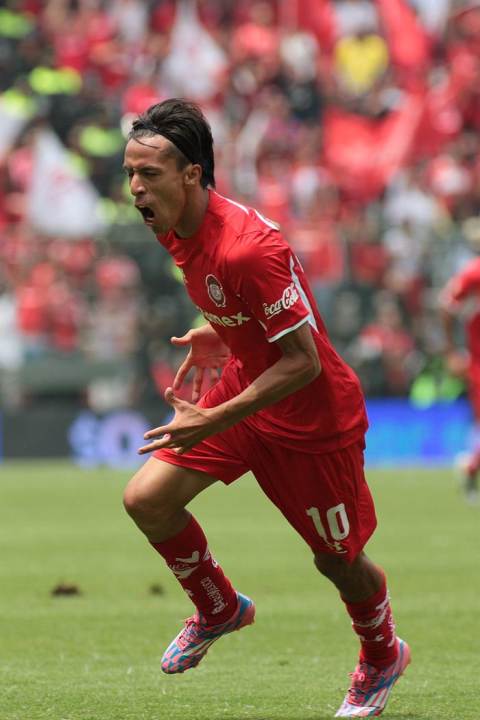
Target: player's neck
x=193, y=218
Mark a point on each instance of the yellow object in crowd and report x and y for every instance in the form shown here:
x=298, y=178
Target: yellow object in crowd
x=360, y=60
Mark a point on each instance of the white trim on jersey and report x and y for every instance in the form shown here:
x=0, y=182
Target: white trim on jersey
x=269, y=223
x=242, y=207
x=301, y=292
x=289, y=330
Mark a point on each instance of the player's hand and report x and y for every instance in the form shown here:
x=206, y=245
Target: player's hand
x=190, y=426
x=206, y=353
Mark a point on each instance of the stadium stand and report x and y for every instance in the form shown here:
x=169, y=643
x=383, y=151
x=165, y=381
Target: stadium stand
x=363, y=146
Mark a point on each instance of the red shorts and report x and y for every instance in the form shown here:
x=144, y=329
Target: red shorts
x=323, y=496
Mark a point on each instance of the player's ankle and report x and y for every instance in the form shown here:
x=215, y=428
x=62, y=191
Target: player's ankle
x=224, y=617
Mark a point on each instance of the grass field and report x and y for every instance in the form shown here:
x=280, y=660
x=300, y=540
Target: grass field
x=95, y=656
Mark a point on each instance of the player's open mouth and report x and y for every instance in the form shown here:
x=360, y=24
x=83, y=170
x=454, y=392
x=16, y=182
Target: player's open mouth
x=147, y=214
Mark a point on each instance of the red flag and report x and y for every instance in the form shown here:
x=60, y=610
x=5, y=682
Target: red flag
x=318, y=16
x=406, y=38
x=363, y=153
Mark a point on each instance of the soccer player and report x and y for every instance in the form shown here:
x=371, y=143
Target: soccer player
x=286, y=407
x=464, y=286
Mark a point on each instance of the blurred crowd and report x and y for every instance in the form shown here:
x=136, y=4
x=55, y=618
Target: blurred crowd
x=353, y=123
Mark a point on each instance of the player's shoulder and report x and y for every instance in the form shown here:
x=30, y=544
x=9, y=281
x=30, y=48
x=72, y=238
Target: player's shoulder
x=246, y=231
x=239, y=219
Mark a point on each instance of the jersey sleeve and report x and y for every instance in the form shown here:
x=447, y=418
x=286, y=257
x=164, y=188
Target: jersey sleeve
x=265, y=275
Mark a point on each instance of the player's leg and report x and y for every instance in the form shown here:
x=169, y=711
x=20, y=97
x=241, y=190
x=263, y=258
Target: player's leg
x=355, y=580
x=156, y=499
x=383, y=656
x=363, y=589
x=328, y=502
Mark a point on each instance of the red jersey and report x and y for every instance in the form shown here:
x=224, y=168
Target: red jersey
x=466, y=285
x=248, y=284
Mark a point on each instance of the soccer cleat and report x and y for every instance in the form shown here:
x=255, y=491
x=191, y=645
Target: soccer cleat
x=193, y=642
x=370, y=688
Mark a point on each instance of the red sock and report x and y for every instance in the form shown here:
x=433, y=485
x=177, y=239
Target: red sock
x=188, y=557
x=372, y=620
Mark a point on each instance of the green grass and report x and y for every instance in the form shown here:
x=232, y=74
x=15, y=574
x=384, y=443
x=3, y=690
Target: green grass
x=96, y=656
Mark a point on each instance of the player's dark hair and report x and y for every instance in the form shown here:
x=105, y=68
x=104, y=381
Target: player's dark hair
x=183, y=123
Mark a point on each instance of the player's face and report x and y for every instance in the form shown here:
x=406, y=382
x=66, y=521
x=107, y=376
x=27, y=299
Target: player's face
x=159, y=187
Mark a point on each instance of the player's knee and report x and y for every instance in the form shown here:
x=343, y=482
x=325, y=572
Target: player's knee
x=132, y=500
x=145, y=507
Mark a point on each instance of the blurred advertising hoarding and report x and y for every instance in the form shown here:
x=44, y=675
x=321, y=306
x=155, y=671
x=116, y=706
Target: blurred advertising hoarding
x=402, y=434
x=399, y=434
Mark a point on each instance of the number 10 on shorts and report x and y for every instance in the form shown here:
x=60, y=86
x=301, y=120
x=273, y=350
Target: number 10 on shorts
x=338, y=526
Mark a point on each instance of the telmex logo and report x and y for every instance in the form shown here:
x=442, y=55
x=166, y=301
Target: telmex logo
x=226, y=320
x=289, y=297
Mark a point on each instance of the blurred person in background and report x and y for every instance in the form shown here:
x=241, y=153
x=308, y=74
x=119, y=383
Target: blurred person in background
x=285, y=407
x=11, y=350
x=111, y=334
x=384, y=353
x=460, y=300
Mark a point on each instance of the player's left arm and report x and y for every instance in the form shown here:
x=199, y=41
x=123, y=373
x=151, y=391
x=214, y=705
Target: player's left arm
x=298, y=365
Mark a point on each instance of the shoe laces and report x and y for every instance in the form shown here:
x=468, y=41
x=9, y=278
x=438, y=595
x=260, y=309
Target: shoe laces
x=191, y=631
x=363, y=679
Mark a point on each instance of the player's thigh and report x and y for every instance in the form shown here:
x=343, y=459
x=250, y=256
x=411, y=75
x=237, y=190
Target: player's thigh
x=324, y=497
x=161, y=485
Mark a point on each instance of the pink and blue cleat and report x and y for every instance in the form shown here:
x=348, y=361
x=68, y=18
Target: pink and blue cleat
x=194, y=640
x=370, y=688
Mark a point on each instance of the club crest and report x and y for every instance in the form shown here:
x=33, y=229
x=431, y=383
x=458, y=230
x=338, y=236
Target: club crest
x=215, y=291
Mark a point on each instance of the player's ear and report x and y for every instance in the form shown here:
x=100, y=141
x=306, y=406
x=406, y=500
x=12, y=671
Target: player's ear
x=193, y=174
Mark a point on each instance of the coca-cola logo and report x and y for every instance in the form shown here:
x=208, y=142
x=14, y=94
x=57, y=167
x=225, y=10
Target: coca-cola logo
x=289, y=297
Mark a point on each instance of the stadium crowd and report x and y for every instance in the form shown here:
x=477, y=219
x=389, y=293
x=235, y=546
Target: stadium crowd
x=353, y=123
